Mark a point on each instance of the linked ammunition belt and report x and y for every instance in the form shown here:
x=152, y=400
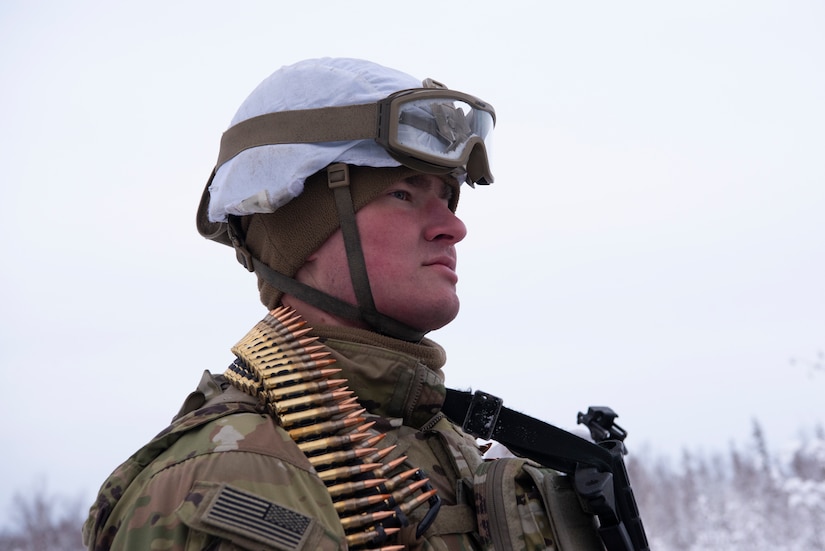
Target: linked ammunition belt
x=294, y=376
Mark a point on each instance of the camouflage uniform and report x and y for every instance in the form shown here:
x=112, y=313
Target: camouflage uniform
x=225, y=476
x=221, y=449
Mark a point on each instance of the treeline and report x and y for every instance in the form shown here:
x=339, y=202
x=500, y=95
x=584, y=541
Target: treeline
x=42, y=522
x=746, y=499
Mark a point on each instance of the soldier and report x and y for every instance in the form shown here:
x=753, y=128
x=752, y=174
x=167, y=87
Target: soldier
x=336, y=184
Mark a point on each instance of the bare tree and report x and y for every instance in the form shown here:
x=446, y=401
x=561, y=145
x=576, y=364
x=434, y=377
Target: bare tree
x=41, y=522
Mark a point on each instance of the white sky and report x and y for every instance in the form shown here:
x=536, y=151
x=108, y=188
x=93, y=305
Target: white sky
x=653, y=242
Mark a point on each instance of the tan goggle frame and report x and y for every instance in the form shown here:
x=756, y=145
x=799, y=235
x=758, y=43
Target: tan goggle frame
x=378, y=121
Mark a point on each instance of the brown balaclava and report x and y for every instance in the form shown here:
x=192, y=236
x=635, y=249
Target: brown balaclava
x=284, y=239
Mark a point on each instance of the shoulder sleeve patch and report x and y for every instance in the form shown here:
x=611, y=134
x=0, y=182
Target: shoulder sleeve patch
x=236, y=510
x=246, y=519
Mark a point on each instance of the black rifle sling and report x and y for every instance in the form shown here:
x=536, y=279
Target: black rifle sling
x=598, y=470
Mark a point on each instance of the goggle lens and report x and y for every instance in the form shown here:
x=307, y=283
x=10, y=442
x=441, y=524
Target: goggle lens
x=441, y=130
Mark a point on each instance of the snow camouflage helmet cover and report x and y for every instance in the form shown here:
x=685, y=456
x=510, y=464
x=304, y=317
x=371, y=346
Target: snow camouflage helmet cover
x=262, y=179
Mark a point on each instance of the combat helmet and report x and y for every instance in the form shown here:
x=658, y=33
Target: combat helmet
x=315, y=142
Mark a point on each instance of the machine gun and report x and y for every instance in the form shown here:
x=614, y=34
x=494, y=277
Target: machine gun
x=598, y=470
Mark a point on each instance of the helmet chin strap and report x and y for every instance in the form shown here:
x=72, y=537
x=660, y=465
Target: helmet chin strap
x=338, y=179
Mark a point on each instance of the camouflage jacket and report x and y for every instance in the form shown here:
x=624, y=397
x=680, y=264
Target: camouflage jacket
x=222, y=450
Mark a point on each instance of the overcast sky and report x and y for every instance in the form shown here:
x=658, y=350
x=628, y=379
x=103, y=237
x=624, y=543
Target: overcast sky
x=653, y=241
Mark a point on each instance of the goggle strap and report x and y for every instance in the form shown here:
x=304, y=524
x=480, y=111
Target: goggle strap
x=327, y=124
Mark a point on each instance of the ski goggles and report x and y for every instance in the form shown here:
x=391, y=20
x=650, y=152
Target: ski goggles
x=431, y=129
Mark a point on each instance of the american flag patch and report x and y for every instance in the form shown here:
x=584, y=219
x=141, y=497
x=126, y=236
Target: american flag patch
x=258, y=519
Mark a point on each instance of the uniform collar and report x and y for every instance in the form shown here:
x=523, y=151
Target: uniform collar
x=392, y=378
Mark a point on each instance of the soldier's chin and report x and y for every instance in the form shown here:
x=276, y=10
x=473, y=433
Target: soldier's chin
x=432, y=318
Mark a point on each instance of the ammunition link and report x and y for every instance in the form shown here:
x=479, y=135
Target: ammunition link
x=281, y=364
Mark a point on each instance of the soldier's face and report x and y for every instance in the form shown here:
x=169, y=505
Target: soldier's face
x=408, y=235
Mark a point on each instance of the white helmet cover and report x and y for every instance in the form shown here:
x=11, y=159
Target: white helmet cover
x=262, y=179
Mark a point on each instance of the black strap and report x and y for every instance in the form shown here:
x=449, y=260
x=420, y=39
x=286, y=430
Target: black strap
x=598, y=470
x=522, y=434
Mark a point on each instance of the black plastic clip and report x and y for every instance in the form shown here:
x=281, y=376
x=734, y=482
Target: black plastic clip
x=482, y=415
x=434, y=504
